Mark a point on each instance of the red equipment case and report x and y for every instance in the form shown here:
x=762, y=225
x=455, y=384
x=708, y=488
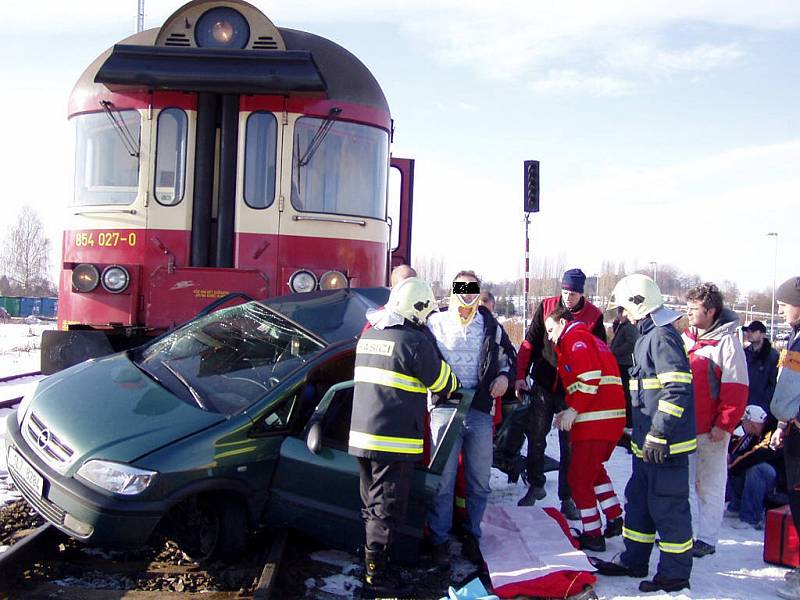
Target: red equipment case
x=781, y=544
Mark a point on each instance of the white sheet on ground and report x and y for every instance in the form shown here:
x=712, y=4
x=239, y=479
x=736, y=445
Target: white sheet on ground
x=520, y=543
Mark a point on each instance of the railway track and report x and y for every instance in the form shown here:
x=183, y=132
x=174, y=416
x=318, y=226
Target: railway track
x=47, y=564
x=12, y=387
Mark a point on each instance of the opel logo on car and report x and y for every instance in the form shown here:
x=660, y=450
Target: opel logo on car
x=44, y=438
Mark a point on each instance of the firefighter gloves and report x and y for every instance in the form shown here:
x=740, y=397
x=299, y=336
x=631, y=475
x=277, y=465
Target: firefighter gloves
x=655, y=448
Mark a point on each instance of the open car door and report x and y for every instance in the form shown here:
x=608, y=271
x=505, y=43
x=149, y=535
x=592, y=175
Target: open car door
x=316, y=485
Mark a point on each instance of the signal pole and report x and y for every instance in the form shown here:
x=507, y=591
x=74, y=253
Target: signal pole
x=531, y=204
x=140, y=17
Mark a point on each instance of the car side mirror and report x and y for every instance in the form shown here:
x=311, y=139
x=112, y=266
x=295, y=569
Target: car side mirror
x=314, y=438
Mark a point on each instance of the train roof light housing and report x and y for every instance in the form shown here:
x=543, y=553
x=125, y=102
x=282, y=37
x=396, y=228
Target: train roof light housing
x=302, y=281
x=85, y=278
x=115, y=279
x=333, y=280
x=222, y=27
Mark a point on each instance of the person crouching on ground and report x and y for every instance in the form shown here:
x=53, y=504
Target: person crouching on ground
x=595, y=416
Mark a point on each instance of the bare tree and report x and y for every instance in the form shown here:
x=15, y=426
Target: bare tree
x=26, y=253
x=431, y=269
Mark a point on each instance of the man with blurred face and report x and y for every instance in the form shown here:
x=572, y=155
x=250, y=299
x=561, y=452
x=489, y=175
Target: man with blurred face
x=786, y=407
x=719, y=373
x=537, y=357
x=480, y=353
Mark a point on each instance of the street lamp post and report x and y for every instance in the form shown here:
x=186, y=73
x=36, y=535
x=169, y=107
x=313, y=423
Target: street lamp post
x=752, y=312
x=653, y=264
x=773, y=234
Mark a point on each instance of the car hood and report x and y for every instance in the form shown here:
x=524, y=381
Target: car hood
x=109, y=409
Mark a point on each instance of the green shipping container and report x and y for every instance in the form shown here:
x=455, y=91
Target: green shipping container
x=11, y=304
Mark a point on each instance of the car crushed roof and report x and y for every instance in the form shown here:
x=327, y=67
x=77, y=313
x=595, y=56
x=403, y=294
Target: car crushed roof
x=331, y=315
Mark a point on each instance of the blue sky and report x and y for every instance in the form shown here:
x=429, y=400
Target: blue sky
x=666, y=131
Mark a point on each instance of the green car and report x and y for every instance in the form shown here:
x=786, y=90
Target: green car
x=236, y=420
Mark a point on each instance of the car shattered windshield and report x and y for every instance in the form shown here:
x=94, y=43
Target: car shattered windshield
x=226, y=361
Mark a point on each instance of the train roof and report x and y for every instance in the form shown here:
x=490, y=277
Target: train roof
x=298, y=62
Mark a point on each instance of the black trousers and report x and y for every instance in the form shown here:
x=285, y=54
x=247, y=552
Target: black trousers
x=657, y=505
x=545, y=404
x=384, y=490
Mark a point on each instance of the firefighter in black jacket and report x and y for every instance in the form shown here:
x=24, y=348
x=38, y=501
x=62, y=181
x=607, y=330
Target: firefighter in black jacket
x=397, y=362
x=663, y=436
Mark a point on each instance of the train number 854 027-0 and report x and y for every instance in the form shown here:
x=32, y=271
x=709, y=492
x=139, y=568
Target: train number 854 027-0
x=104, y=238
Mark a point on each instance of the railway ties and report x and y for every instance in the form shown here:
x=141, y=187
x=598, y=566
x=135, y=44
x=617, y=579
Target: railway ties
x=47, y=564
x=12, y=387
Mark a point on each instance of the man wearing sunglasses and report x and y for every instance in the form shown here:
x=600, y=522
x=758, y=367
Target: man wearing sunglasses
x=482, y=357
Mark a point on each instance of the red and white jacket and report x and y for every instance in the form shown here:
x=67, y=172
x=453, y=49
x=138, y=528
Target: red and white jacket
x=719, y=373
x=590, y=376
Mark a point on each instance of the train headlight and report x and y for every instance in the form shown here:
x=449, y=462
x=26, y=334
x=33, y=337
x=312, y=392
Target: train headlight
x=302, y=281
x=333, y=280
x=222, y=28
x=115, y=279
x=85, y=277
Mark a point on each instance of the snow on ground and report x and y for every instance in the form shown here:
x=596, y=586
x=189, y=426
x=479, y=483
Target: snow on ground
x=19, y=346
x=735, y=572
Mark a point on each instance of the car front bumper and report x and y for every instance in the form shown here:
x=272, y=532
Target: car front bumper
x=77, y=510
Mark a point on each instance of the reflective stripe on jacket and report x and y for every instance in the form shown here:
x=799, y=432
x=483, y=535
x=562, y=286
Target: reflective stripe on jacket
x=590, y=375
x=661, y=389
x=395, y=367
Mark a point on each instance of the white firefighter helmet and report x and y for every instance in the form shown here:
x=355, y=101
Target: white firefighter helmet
x=638, y=295
x=413, y=299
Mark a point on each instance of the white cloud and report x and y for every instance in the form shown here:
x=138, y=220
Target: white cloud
x=566, y=80
x=646, y=56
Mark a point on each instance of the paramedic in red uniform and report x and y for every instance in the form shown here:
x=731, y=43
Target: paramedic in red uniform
x=595, y=417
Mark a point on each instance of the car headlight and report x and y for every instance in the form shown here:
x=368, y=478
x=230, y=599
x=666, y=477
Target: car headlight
x=333, y=280
x=85, y=277
x=115, y=279
x=25, y=403
x=302, y=281
x=116, y=477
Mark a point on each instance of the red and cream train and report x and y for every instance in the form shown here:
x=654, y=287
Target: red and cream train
x=215, y=154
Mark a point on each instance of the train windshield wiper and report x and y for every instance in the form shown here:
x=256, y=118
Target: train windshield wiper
x=197, y=397
x=319, y=136
x=125, y=135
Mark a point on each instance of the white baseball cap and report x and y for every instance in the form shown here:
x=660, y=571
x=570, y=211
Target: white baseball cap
x=754, y=413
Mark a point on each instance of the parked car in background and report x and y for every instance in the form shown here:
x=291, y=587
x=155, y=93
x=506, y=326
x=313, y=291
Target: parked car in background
x=238, y=419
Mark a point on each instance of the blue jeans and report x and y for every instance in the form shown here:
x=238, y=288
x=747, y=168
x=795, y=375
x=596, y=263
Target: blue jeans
x=476, y=443
x=749, y=490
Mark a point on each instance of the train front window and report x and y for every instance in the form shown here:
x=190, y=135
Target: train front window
x=106, y=164
x=259, y=159
x=171, y=156
x=346, y=174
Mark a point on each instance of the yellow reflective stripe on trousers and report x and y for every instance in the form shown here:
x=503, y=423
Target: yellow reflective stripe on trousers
x=441, y=381
x=579, y=386
x=610, y=380
x=673, y=548
x=599, y=415
x=590, y=375
x=385, y=443
x=670, y=408
x=389, y=379
x=638, y=536
x=675, y=377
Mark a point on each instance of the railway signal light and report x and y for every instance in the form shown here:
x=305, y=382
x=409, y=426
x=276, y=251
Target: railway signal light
x=531, y=186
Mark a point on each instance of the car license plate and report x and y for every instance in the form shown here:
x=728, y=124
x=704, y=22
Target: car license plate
x=23, y=469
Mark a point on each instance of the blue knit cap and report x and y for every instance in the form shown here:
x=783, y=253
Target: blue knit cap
x=573, y=280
